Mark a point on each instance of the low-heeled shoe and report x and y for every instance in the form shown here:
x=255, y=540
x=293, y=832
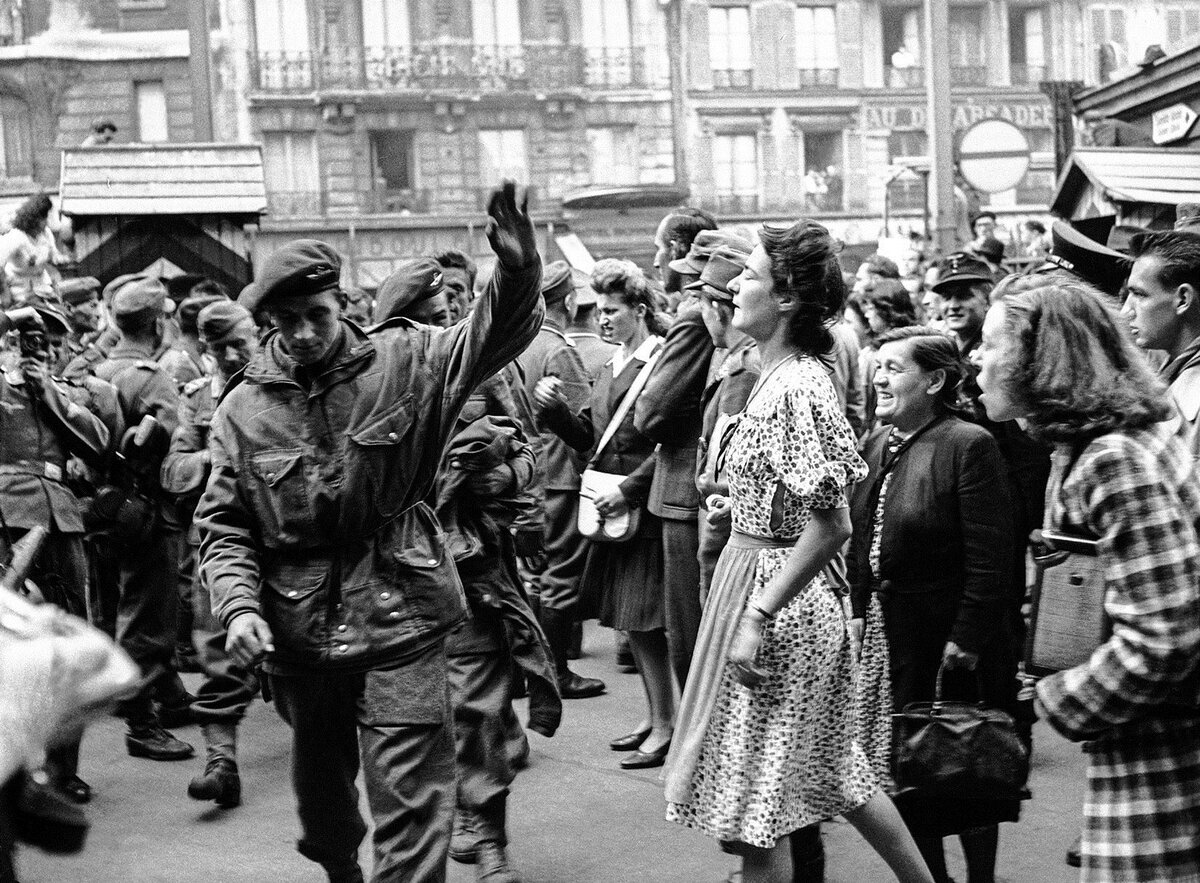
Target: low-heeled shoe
x=642, y=760
x=629, y=742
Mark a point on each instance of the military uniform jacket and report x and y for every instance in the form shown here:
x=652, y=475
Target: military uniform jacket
x=143, y=387
x=185, y=468
x=731, y=379
x=552, y=354
x=314, y=515
x=37, y=435
x=593, y=351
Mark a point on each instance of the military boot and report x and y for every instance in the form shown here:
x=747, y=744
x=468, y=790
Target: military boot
x=464, y=838
x=220, y=781
x=491, y=864
x=557, y=626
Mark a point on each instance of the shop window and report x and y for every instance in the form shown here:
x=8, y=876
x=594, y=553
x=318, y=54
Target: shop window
x=16, y=139
x=150, y=100
x=729, y=46
x=816, y=45
x=614, y=154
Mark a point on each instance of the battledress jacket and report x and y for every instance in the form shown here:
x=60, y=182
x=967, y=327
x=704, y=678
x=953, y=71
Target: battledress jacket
x=313, y=516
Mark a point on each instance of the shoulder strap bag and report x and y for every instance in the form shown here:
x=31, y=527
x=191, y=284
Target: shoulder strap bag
x=593, y=482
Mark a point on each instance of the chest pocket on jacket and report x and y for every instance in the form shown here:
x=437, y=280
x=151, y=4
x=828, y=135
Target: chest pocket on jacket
x=281, y=497
x=385, y=447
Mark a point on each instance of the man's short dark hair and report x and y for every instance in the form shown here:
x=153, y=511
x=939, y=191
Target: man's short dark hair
x=1177, y=250
x=208, y=287
x=683, y=225
x=139, y=324
x=452, y=259
x=882, y=266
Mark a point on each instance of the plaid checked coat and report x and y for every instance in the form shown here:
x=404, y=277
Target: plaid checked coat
x=1136, y=703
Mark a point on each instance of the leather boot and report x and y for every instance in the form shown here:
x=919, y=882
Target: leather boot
x=463, y=838
x=220, y=781
x=491, y=864
x=557, y=626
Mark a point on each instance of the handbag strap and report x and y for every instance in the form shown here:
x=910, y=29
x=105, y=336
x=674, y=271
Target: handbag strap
x=938, y=699
x=626, y=404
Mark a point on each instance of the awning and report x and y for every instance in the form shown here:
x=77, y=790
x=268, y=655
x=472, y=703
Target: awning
x=1097, y=178
x=163, y=179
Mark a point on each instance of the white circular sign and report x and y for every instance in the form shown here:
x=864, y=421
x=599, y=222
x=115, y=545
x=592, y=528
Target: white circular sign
x=993, y=156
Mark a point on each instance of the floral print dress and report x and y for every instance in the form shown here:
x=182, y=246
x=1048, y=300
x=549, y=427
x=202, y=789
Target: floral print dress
x=753, y=765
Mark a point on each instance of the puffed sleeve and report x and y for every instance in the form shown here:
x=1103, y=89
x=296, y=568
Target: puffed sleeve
x=815, y=455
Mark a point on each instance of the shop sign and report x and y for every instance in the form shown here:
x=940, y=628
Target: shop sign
x=1172, y=123
x=912, y=117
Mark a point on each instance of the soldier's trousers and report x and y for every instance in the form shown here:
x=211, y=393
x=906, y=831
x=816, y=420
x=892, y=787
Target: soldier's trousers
x=480, y=672
x=565, y=552
x=227, y=688
x=398, y=724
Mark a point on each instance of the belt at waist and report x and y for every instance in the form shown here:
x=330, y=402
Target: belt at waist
x=36, y=468
x=740, y=540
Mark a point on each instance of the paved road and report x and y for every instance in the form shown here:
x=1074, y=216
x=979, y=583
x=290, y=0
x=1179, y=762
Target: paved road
x=574, y=816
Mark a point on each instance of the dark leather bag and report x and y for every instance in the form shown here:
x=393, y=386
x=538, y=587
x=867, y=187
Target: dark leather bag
x=958, y=749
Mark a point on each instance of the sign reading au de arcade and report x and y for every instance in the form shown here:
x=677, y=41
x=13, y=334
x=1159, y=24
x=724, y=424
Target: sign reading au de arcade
x=912, y=117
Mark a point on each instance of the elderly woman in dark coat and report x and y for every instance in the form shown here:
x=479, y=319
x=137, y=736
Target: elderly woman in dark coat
x=932, y=533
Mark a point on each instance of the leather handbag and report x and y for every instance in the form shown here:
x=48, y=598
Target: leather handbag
x=958, y=750
x=593, y=482
x=1067, y=621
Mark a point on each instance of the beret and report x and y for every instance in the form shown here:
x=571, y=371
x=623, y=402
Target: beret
x=220, y=317
x=303, y=266
x=961, y=267
x=190, y=308
x=76, y=291
x=141, y=293
x=722, y=268
x=556, y=281
x=412, y=282
x=1086, y=259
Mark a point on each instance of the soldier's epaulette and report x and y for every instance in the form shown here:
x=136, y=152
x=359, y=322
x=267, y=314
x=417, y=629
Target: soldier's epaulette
x=193, y=386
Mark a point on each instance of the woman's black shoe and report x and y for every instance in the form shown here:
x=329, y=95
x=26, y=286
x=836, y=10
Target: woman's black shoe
x=630, y=742
x=644, y=760
x=77, y=789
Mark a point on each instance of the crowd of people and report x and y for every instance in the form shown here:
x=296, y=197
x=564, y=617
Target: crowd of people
x=803, y=498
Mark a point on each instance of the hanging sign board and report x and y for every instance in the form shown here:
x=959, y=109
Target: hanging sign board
x=993, y=156
x=1172, y=123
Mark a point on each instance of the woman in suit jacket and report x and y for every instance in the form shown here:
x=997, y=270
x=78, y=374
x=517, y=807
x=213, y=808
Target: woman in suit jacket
x=933, y=531
x=622, y=583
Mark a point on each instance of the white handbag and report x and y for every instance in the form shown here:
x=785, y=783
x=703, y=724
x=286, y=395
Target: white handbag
x=594, y=483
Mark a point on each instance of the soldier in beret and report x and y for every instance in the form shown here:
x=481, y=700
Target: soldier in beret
x=230, y=338
x=556, y=572
x=323, y=561
x=415, y=290
x=148, y=611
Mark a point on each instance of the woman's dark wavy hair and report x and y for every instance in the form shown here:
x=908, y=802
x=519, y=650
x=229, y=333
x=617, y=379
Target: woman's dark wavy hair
x=1075, y=372
x=32, y=214
x=804, y=264
x=892, y=303
x=934, y=350
x=626, y=281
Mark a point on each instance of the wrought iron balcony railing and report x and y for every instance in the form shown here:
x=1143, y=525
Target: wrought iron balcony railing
x=468, y=67
x=402, y=201
x=732, y=79
x=914, y=77
x=821, y=76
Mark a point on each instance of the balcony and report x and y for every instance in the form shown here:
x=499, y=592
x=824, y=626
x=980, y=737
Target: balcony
x=1027, y=74
x=914, y=77
x=732, y=79
x=466, y=67
x=404, y=201
x=826, y=76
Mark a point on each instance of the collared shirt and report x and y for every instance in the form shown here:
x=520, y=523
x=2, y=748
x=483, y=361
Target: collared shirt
x=1137, y=492
x=642, y=353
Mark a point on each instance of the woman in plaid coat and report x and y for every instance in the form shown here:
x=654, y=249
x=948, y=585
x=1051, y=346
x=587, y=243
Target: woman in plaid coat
x=1058, y=357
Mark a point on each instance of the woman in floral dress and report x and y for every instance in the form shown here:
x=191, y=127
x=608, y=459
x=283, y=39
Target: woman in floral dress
x=764, y=741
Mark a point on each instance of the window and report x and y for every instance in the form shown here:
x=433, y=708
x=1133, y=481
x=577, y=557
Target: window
x=902, y=46
x=729, y=46
x=1027, y=45
x=151, y=101
x=614, y=154
x=967, y=60
x=385, y=23
x=1183, y=27
x=735, y=172
x=816, y=45
x=281, y=37
x=290, y=170
x=502, y=155
x=823, y=183
x=392, y=160
x=606, y=24
x=1109, y=39
x=16, y=139
x=496, y=22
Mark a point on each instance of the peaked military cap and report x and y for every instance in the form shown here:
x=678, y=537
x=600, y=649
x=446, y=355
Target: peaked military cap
x=191, y=307
x=302, y=267
x=556, y=281
x=1089, y=260
x=141, y=293
x=76, y=291
x=959, y=268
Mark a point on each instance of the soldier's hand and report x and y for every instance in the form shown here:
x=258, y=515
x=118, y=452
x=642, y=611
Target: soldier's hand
x=35, y=372
x=509, y=229
x=249, y=639
x=493, y=483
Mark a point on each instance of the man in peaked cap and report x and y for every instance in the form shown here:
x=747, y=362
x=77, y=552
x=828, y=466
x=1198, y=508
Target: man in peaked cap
x=324, y=562
x=556, y=579
x=416, y=289
x=1086, y=259
x=964, y=283
x=691, y=265
x=230, y=338
x=147, y=612
x=584, y=330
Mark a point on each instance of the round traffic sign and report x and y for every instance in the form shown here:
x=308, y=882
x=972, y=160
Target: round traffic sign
x=993, y=155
